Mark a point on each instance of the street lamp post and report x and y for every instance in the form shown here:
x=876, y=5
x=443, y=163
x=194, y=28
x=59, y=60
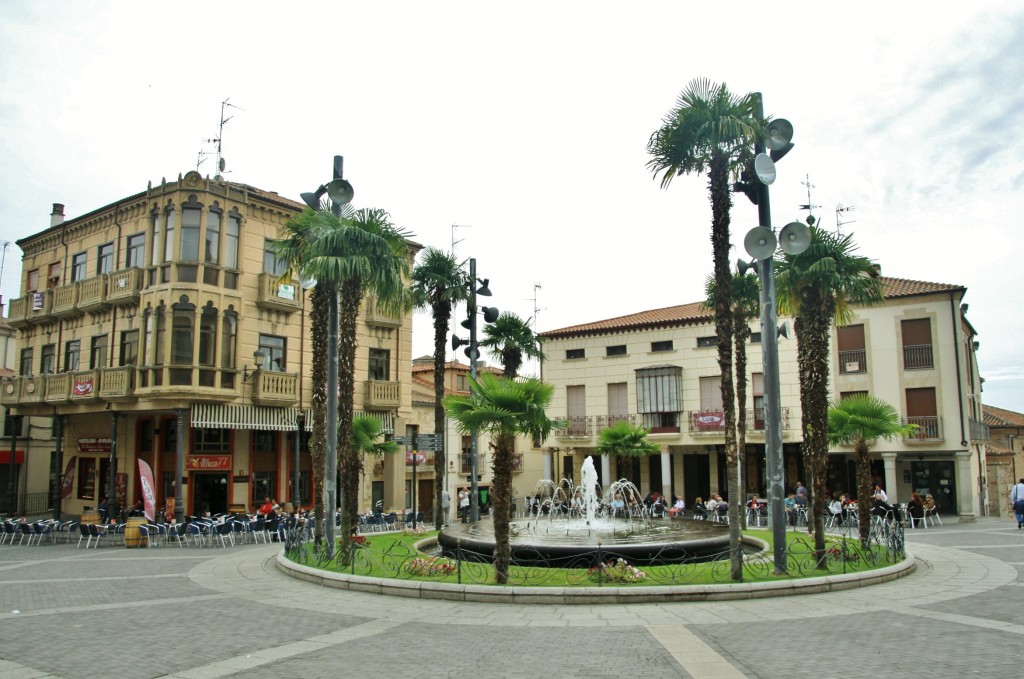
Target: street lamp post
x=12, y=477
x=760, y=243
x=473, y=352
x=340, y=192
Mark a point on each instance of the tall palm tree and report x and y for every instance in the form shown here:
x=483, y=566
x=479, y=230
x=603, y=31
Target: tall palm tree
x=860, y=420
x=712, y=131
x=294, y=249
x=819, y=287
x=366, y=432
x=505, y=408
x=746, y=305
x=625, y=439
x=511, y=340
x=438, y=283
x=360, y=252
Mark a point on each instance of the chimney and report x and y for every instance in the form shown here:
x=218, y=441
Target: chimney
x=57, y=216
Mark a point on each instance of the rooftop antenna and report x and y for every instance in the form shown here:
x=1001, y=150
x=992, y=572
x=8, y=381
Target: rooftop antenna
x=200, y=159
x=3, y=260
x=456, y=242
x=536, y=309
x=809, y=206
x=221, y=164
x=840, y=208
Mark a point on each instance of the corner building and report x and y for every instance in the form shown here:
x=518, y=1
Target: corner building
x=659, y=369
x=164, y=316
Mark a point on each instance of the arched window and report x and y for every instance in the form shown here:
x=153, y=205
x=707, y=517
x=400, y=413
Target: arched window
x=183, y=325
x=232, y=232
x=170, y=218
x=211, y=249
x=228, y=339
x=207, y=345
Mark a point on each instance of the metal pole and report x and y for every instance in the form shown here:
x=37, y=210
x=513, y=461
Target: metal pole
x=112, y=472
x=12, y=476
x=331, y=473
x=772, y=394
x=58, y=435
x=300, y=424
x=179, y=469
x=415, y=455
x=474, y=500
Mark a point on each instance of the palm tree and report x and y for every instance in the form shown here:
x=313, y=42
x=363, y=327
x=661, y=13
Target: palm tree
x=505, y=408
x=366, y=430
x=511, y=340
x=625, y=439
x=819, y=287
x=859, y=420
x=360, y=252
x=746, y=305
x=438, y=283
x=712, y=131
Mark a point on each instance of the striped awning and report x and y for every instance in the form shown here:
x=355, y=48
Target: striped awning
x=222, y=416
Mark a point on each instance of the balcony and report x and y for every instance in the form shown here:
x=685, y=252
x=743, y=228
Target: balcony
x=92, y=295
x=576, y=427
x=928, y=429
x=65, y=301
x=375, y=317
x=58, y=388
x=117, y=384
x=276, y=295
x=707, y=422
x=31, y=309
x=10, y=391
x=125, y=287
x=382, y=395
x=605, y=421
x=852, y=362
x=275, y=388
x=755, y=420
x=918, y=357
x=32, y=389
x=979, y=431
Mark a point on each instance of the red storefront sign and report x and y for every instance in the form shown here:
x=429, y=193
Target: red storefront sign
x=711, y=419
x=67, y=484
x=94, y=445
x=5, y=457
x=207, y=463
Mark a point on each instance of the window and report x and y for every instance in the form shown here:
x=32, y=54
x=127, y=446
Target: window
x=14, y=425
x=212, y=441
x=711, y=393
x=191, y=214
x=228, y=333
x=170, y=220
x=853, y=357
x=86, y=478
x=33, y=280
x=618, y=402
x=130, y=347
x=212, y=251
x=25, y=367
x=848, y=394
x=710, y=341
x=917, y=344
x=183, y=320
x=755, y=338
x=571, y=354
x=664, y=345
x=380, y=364
x=922, y=410
x=105, y=258
x=711, y=417
x=231, y=250
x=271, y=263
x=156, y=228
x=207, y=345
x=576, y=400
x=53, y=278
x=78, y=267
x=659, y=396
x=461, y=383
x=72, y=351
x=757, y=391
x=136, y=248
x=264, y=441
x=274, y=352
x=616, y=350
x=48, y=359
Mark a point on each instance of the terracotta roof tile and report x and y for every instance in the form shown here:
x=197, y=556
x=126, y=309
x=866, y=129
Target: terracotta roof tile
x=695, y=312
x=1000, y=417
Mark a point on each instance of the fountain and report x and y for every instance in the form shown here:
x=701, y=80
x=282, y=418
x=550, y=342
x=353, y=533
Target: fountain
x=566, y=525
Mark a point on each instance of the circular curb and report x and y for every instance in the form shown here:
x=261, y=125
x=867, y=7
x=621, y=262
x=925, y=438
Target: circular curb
x=568, y=596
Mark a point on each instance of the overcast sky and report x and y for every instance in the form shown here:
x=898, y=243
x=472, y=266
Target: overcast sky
x=527, y=122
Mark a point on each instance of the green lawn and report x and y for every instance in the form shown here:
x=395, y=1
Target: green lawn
x=393, y=555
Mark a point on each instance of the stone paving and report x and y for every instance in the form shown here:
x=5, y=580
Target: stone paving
x=198, y=613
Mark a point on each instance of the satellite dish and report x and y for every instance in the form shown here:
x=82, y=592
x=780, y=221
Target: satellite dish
x=794, y=238
x=779, y=133
x=222, y=164
x=340, y=192
x=764, y=168
x=760, y=242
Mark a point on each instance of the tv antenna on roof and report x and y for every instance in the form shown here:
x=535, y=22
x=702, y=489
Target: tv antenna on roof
x=809, y=206
x=456, y=242
x=840, y=208
x=221, y=163
x=536, y=309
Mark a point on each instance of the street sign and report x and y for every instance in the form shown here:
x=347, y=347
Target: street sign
x=400, y=440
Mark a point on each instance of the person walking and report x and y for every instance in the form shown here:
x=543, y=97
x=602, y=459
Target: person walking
x=446, y=503
x=464, y=505
x=1017, y=502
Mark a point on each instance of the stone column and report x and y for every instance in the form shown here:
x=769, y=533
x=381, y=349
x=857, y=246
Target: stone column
x=666, y=475
x=966, y=488
x=606, y=471
x=889, y=459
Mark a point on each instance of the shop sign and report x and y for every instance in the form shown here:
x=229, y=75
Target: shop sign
x=414, y=455
x=94, y=445
x=207, y=463
x=712, y=419
x=83, y=386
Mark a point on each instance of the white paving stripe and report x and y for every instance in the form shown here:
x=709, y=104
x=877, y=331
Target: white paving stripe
x=698, y=659
x=108, y=607
x=223, y=668
x=970, y=620
x=12, y=670
x=118, y=578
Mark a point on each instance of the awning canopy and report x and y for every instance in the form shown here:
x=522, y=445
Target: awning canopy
x=222, y=416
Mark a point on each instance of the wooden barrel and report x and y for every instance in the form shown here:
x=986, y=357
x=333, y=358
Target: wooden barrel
x=89, y=517
x=133, y=537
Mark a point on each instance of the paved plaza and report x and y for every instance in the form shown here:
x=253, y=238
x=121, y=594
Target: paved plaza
x=204, y=613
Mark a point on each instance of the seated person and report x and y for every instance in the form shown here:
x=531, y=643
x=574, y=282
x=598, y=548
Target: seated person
x=800, y=499
x=722, y=507
x=700, y=510
x=929, y=505
x=104, y=509
x=790, y=505
x=618, y=505
x=835, y=509
x=658, y=508
x=915, y=508
x=881, y=508
x=677, y=508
